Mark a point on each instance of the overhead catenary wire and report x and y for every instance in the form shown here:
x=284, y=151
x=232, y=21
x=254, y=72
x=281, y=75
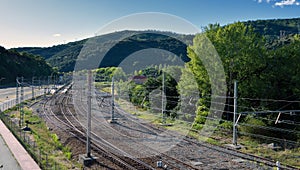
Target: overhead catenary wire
x=251, y=134
x=224, y=104
x=231, y=105
x=269, y=138
x=271, y=100
x=241, y=107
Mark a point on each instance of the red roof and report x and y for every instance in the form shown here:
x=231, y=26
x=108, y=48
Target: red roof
x=139, y=77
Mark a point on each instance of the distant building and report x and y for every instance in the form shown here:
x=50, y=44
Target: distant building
x=138, y=79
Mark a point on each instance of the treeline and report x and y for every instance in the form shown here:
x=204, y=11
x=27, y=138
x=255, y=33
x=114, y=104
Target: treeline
x=268, y=78
x=14, y=64
x=276, y=32
x=117, y=45
x=62, y=56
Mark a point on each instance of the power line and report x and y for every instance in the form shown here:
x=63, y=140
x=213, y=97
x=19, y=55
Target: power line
x=270, y=128
x=271, y=100
x=270, y=138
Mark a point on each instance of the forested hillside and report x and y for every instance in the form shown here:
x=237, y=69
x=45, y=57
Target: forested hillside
x=64, y=56
x=268, y=80
x=268, y=90
x=277, y=32
x=273, y=27
x=61, y=56
x=14, y=64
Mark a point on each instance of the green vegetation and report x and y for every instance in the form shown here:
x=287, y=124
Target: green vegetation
x=45, y=142
x=146, y=94
x=277, y=32
x=117, y=47
x=262, y=73
x=61, y=56
x=106, y=74
x=220, y=137
x=14, y=64
x=263, y=56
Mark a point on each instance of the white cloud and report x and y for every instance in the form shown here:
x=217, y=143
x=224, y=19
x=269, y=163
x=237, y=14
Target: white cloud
x=268, y=1
x=287, y=2
x=56, y=35
x=281, y=3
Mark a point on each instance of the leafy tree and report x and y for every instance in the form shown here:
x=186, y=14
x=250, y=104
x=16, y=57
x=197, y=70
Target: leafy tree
x=14, y=64
x=282, y=75
x=119, y=74
x=244, y=58
x=189, y=94
x=105, y=74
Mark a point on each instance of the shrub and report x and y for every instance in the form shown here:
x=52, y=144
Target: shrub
x=253, y=125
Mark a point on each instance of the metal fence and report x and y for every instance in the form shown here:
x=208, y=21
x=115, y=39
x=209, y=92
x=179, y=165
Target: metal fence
x=25, y=138
x=40, y=156
x=12, y=102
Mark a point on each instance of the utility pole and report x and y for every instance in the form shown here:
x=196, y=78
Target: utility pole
x=87, y=159
x=89, y=102
x=113, y=120
x=48, y=84
x=234, y=141
x=32, y=87
x=21, y=105
x=17, y=90
x=81, y=91
x=162, y=98
x=40, y=83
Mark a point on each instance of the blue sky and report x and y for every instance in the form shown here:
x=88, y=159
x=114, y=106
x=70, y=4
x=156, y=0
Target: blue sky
x=51, y=22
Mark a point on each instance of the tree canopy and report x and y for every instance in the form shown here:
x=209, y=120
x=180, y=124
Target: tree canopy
x=14, y=64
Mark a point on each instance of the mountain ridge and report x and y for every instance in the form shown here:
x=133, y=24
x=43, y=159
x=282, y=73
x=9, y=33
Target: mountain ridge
x=14, y=64
x=277, y=32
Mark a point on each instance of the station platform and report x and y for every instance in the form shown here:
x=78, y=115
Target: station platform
x=13, y=156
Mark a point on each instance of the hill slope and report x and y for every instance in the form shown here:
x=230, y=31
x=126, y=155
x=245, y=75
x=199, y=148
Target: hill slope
x=277, y=32
x=14, y=64
x=64, y=56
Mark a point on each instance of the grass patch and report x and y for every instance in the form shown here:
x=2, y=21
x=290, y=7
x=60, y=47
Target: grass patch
x=47, y=145
x=50, y=143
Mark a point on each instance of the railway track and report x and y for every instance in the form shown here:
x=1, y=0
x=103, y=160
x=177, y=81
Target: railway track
x=71, y=117
x=190, y=141
x=237, y=153
x=156, y=155
x=64, y=119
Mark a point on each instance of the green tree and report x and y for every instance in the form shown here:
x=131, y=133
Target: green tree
x=244, y=58
x=283, y=76
x=119, y=74
x=189, y=94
